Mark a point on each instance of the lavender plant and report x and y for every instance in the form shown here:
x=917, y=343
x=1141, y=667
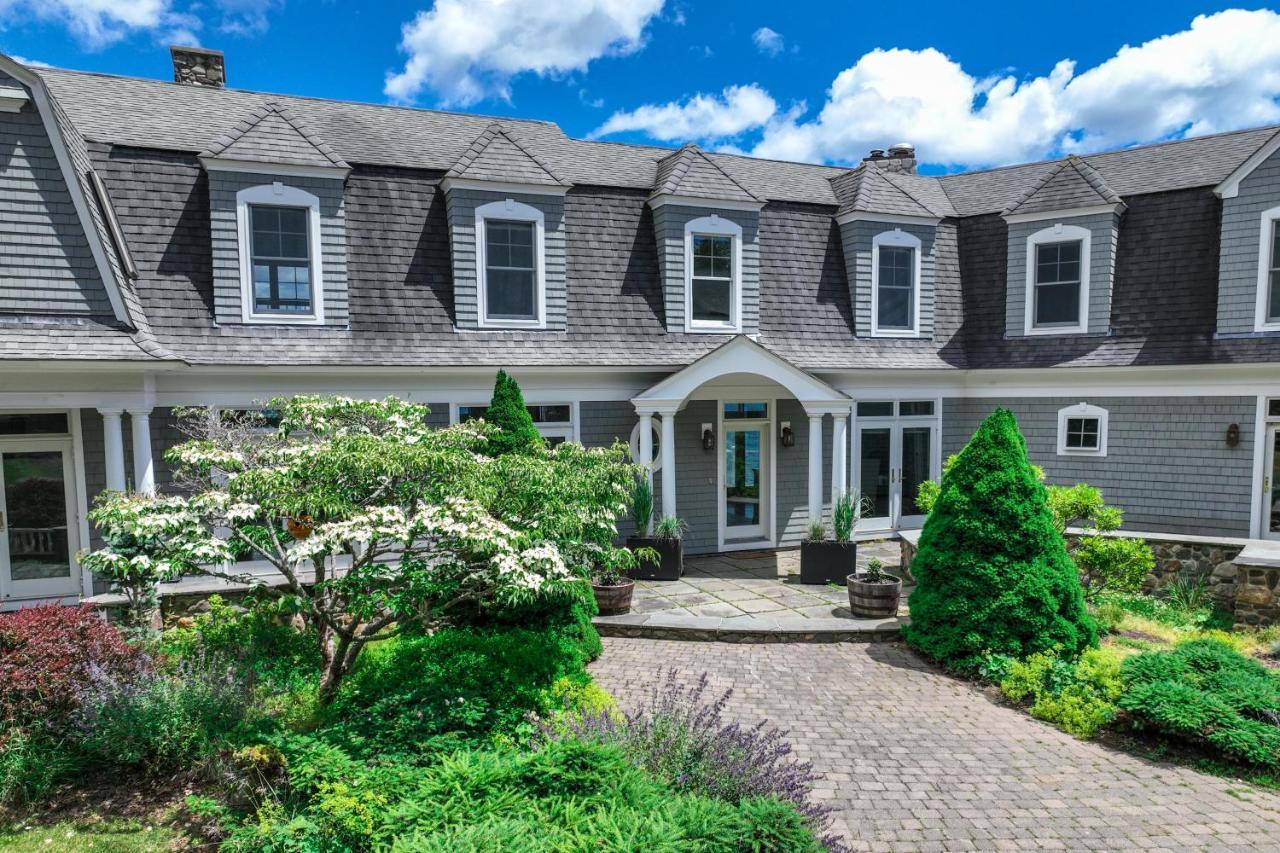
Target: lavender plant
x=680, y=736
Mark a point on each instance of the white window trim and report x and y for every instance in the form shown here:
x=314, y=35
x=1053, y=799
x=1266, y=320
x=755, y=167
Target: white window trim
x=280, y=195
x=654, y=464
x=1082, y=410
x=1260, y=321
x=715, y=226
x=1058, y=233
x=512, y=211
x=568, y=430
x=899, y=239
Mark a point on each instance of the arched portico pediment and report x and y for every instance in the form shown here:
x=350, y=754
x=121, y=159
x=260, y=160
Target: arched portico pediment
x=738, y=356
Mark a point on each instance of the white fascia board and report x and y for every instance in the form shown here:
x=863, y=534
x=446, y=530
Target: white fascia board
x=1066, y=213
x=713, y=203
x=887, y=218
x=502, y=187
x=1230, y=187
x=12, y=99
x=285, y=170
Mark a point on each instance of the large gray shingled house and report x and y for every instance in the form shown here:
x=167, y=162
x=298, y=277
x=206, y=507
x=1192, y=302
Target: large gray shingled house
x=768, y=333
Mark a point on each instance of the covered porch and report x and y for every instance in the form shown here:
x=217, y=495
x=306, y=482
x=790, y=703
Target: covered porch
x=738, y=446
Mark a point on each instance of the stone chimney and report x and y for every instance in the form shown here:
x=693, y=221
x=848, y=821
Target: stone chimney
x=198, y=66
x=901, y=158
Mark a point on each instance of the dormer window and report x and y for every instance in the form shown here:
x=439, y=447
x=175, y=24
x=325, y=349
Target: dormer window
x=895, y=279
x=1268, y=316
x=1058, y=280
x=280, y=261
x=510, y=264
x=713, y=253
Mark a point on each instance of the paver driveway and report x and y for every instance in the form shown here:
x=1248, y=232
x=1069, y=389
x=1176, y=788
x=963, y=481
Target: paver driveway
x=914, y=760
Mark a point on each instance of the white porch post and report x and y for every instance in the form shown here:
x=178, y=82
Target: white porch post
x=113, y=445
x=815, y=467
x=669, y=462
x=144, y=477
x=646, y=455
x=839, y=458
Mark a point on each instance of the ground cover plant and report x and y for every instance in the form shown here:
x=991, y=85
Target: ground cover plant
x=993, y=574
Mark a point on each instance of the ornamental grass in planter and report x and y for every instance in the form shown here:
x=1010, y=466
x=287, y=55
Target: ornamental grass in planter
x=666, y=542
x=874, y=593
x=824, y=561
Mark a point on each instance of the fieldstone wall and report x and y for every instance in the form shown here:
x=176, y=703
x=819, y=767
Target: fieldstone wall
x=1251, y=591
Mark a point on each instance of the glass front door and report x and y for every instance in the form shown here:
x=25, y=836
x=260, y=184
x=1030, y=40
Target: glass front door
x=38, y=538
x=893, y=459
x=1271, y=484
x=744, y=477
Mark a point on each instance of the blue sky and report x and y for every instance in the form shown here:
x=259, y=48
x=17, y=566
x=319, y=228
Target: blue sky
x=970, y=84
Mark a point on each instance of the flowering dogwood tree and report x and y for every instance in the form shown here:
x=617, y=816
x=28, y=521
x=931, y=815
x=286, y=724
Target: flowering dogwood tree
x=375, y=521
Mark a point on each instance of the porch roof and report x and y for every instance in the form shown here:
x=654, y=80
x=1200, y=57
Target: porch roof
x=742, y=355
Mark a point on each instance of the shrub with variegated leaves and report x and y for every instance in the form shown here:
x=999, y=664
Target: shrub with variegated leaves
x=375, y=520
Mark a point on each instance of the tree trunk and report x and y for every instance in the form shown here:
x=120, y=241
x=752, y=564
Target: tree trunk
x=335, y=653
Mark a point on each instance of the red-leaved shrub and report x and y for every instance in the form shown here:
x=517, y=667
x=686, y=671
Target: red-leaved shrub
x=46, y=656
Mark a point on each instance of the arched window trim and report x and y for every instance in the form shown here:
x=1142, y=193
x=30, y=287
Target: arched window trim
x=1083, y=410
x=515, y=211
x=283, y=195
x=718, y=226
x=1058, y=233
x=898, y=238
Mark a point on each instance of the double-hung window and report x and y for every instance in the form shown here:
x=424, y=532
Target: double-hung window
x=895, y=281
x=1273, y=274
x=510, y=265
x=712, y=295
x=1057, y=284
x=281, y=259
x=1058, y=280
x=511, y=271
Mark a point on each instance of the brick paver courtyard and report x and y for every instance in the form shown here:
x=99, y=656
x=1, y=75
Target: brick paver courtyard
x=915, y=760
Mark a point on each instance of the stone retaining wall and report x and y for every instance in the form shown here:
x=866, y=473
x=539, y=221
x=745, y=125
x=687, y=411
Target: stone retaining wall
x=1249, y=591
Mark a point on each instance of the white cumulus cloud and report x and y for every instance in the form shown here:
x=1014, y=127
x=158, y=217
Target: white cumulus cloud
x=95, y=23
x=767, y=41
x=705, y=117
x=1221, y=73
x=468, y=50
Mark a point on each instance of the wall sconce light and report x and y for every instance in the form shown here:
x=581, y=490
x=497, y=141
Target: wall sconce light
x=1233, y=435
x=788, y=435
x=708, y=438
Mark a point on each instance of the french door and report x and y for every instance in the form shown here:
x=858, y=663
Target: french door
x=38, y=531
x=1271, y=483
x=893, y=458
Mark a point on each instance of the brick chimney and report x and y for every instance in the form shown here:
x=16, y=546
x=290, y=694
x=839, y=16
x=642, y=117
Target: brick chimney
x=901, y=158
x=198, y=66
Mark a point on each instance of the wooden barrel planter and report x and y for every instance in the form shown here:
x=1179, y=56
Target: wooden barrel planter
x=874, y=600
x=613, y=598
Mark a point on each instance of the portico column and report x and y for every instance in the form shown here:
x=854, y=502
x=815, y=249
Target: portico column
x=839, y=457
x=646, y=454
x=144, y=477
x=815, y=467
x=113, y=445
x=668, y=463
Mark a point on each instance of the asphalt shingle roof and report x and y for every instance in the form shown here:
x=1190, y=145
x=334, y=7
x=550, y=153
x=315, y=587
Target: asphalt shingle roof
x=689, y=172
x=272, y=134
x=1073, y=184
x=496, y=156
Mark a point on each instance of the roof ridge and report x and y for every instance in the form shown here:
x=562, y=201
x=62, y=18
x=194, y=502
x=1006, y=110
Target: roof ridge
x=682, y=160
x=732, y=180
x=893, y=179
x=256, y=116
x=307, y=133
x=1094, y=178
x=1079, y=166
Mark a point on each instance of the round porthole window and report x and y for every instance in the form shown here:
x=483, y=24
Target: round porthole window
x=635, y=447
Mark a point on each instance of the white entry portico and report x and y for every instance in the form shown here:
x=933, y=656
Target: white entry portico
x=751, y=376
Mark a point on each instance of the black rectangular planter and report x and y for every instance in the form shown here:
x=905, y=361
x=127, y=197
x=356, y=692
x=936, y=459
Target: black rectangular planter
x=669, y=568
x=827, y=561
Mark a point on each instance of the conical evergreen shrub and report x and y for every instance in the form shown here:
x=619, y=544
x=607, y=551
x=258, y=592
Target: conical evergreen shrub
x=507, y=411
x=992, y=572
